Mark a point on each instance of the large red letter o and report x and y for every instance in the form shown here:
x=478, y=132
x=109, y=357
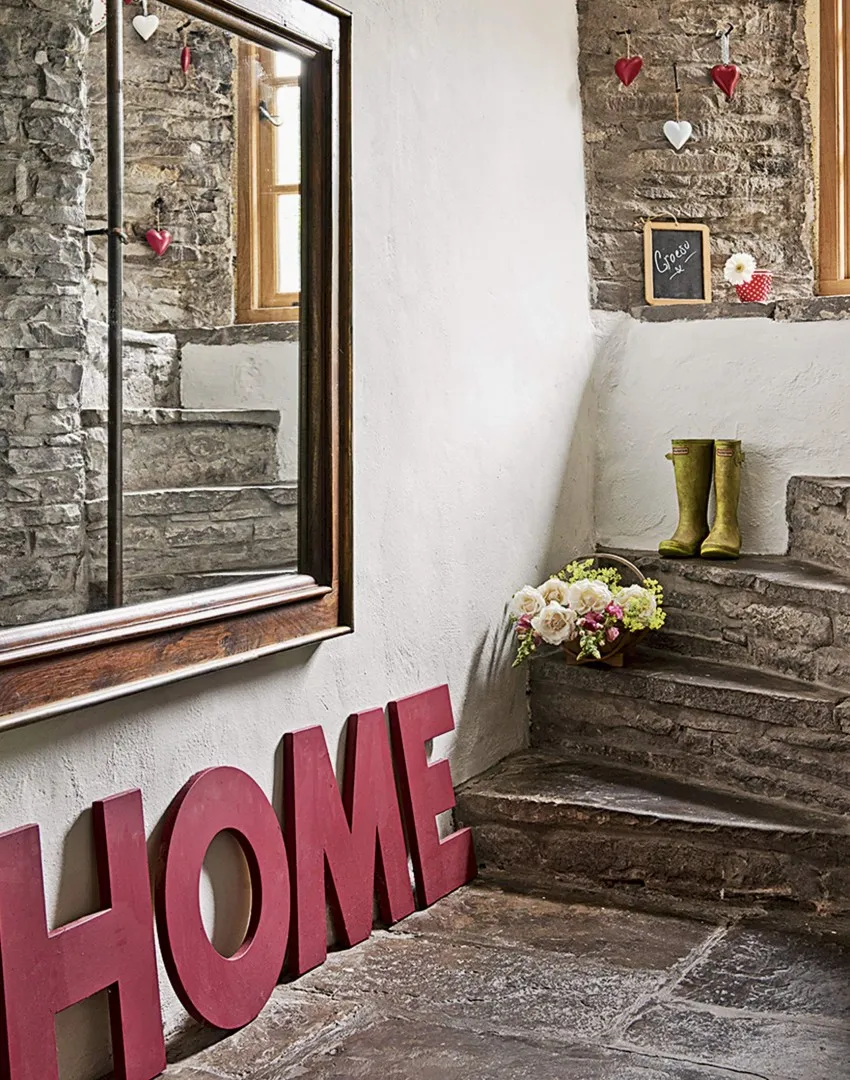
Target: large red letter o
x=228, y=992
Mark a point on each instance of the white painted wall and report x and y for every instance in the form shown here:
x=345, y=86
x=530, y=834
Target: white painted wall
x=261, y=375
x=473, y=437
x=782, y=388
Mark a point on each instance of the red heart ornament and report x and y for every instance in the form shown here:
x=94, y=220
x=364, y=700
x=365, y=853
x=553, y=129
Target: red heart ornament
x=160, y=240
x=628, y=69
x=727, y=77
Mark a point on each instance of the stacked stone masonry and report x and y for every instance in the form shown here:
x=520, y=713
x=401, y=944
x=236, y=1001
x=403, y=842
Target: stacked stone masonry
x=179, y=151
x=747, y=173
x=44, y=162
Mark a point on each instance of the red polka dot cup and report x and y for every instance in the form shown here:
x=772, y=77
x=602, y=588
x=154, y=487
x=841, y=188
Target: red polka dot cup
x=758, y=290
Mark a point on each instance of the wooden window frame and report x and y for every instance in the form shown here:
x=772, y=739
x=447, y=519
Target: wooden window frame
x=257, y=297
x=48, y=669
x=834, y=149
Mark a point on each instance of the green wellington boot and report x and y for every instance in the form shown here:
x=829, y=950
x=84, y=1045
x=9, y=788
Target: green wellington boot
x=692, y=462
x=724, y=541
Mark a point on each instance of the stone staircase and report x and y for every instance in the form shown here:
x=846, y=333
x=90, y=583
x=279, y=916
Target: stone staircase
x=715, y=770
x=203, y=502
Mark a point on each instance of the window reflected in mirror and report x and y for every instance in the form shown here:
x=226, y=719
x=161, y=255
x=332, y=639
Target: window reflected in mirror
x=212, y=301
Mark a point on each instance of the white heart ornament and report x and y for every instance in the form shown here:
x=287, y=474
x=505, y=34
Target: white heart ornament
x=678, y=132
x=146, y=26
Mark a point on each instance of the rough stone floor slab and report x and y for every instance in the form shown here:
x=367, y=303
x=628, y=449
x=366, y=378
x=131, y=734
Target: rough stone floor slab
x=496, y=986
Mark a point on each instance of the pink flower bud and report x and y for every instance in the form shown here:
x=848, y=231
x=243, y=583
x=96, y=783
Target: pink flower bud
x=613, y=633
x=523, y=624
x=615, y=610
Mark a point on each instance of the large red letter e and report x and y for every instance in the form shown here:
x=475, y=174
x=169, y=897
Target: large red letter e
x=441, y=867
x=44, y=973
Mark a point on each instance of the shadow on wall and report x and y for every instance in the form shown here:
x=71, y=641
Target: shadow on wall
x=493, y=688
x=780, y=387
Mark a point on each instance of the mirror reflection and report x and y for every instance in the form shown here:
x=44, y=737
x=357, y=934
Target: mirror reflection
x=212, y=205
x=212, y=303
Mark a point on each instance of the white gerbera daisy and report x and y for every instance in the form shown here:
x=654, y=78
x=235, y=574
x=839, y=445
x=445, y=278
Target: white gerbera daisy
x=740, y=269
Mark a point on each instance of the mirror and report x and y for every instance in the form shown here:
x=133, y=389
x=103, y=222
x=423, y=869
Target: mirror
x=175, y=342
x=216, y=417
x=212, y=302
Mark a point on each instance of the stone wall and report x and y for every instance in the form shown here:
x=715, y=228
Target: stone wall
x=748, y=171
x=179, y=148
x=44, y=158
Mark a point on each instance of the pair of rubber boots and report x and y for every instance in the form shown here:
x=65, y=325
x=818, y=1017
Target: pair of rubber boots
x=694, y=461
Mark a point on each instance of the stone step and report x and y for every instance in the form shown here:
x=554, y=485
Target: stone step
x=595, y=826
x=819, y=519
x=770, y=612
x=727, y=726
x=151, y=369
x=184, y=540
x=188, y=448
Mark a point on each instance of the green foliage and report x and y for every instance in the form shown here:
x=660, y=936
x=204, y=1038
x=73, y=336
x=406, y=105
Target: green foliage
x=527, y=647
x=581, y=571
x=636, y=613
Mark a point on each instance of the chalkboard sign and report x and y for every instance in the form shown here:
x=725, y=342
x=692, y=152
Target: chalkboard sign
x=677, y=263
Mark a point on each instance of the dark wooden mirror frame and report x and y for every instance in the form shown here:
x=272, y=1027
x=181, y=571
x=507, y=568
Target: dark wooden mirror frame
x=51, y=668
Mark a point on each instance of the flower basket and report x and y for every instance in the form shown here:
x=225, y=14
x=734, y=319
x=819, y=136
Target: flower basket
x=596, y=610
x=617, y=653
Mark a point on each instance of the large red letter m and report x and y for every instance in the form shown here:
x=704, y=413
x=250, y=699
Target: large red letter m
x=43, y=973
x=356, y=843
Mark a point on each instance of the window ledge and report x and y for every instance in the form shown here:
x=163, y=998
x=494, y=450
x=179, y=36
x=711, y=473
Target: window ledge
x=810, y=309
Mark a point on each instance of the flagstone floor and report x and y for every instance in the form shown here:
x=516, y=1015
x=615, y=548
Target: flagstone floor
x=494, y=986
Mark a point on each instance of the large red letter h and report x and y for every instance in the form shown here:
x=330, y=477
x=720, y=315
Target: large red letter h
x=43, y=973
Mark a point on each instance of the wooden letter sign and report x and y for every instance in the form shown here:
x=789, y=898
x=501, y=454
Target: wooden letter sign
x=677, y=263
x=340, y=851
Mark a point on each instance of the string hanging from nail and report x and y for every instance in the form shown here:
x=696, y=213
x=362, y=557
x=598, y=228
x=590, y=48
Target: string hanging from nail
x=677, y=132
x=678, y=88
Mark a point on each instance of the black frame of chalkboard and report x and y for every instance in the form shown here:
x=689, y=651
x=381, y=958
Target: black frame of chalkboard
x=679, y=226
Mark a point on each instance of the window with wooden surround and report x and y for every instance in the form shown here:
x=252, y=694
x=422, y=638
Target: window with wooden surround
x=834, y=212
x=268, y=177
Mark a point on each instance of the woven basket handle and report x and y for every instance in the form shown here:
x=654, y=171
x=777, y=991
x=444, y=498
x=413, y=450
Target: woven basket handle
x=641, y=577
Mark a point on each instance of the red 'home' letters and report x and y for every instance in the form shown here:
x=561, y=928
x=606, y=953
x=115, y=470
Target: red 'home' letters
x=344, y=848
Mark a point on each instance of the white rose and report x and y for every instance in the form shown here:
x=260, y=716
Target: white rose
x=589, y=595
x=555, y=591
x=528, y=601
x=555, y=624
x=637, y=602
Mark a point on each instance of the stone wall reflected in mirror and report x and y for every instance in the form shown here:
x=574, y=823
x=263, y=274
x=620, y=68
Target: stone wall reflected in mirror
x=211, y=323
x=44, y=164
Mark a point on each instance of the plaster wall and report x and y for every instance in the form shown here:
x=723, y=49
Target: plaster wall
x=259, y=375
x=781, y=387
x=473, y=443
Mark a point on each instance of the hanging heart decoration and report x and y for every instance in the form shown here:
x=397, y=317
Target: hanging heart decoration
x=160, y=240
x=677, y=133
x=628, y=68
x=727, y=77
x=146, y=26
